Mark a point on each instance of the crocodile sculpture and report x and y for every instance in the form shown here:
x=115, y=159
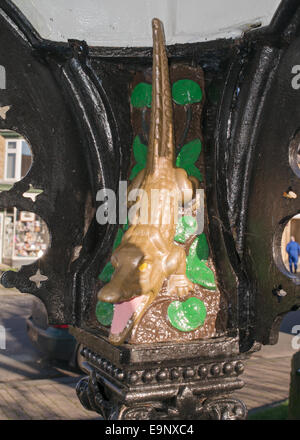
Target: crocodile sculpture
x=147, y=255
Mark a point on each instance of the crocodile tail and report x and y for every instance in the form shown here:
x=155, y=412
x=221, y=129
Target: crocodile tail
x=161, y=139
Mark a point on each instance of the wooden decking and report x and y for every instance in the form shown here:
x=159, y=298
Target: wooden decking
x=266, y=381
x=267, y=375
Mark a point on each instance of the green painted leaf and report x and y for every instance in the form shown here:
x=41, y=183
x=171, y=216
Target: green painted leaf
x=186, y=91
x=196, y=265
x=118, y=238
x=126, y=226
x=192, y=170
x=185, y=227
x=135, y=170
x=198, y=272
x=188, y=315
x=189, y=153
x=142, y=95
x=140, y=155
x=139, y=151
x=104, y=313
x=199, y=248
x=107, y=273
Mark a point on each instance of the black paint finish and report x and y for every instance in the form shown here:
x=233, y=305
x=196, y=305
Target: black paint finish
x=71, y=103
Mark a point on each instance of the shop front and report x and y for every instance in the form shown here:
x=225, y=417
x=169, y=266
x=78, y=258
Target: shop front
x=24, y=237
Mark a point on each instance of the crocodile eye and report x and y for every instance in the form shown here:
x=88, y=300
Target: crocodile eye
x=143, y=267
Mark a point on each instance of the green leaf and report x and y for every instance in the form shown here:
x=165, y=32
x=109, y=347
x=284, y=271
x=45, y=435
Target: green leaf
x=198, y=272
x=118, y=238
x=187, y=315
x=189, y=153
x=199, y=248
x=185, y=227
x=192, y=170
x=140, y=154
x=139, y=151
x=126, y=226
x=186, y=91
x=107, y=273
x=135, y=170
x=142, y=95
x=196, y=265
x=104, y=313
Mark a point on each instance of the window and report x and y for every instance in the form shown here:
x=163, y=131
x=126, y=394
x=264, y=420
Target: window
x=18, y=159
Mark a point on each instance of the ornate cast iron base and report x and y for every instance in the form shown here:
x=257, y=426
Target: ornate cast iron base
x=174, y=381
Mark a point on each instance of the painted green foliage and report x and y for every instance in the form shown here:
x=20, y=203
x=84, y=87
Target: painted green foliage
x=140, y=155
x=186, y=91
x=196, y=268
x=142, y=95
x=106, y=273
x=199, y=248
x=186, y=226
x=186, y=158
x=108, y=269
x=104, y=313
x=187, y=315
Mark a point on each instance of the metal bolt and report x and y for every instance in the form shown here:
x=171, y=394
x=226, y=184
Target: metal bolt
x=162, y=375
x=147, y=376
x=120, y=375
x=239, y=367
x=228, y=368
x=175, y=374
x=203, y=371
x=189, y=372
x=133, y=377
x=215, y=370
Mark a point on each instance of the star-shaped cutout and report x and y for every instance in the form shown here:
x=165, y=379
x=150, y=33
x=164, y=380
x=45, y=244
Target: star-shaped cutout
x=31, y=196
x=3, y=111
x=38, y=278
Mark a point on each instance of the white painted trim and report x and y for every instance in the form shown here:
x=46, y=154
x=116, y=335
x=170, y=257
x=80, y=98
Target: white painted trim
x=128, y=22
x=17, y=153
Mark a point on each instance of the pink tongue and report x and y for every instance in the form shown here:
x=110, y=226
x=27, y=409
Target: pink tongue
x=123, y=312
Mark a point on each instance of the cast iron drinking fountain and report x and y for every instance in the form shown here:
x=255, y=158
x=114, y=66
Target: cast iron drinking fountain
x=166, y=313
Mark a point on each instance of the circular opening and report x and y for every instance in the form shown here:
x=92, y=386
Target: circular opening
x=290, y=246
x=24, y=237
x=294, y=154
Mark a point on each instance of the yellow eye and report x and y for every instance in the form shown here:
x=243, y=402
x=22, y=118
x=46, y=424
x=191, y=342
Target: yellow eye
x=143, y=267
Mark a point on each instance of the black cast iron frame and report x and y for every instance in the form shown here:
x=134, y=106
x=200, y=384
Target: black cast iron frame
x=77, y=121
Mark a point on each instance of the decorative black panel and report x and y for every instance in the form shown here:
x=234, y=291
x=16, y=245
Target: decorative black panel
x=72, y=103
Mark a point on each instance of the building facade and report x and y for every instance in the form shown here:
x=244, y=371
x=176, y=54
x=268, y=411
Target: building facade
x=23, y=235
